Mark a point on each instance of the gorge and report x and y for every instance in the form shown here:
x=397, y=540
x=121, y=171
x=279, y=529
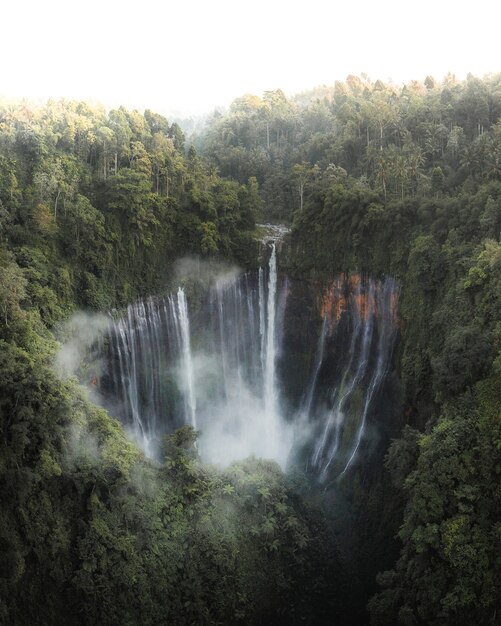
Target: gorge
x=262, y=364
x=312, y=438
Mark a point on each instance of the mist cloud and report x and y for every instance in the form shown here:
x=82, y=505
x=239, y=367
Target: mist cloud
x=78, y=336
x=205, y=271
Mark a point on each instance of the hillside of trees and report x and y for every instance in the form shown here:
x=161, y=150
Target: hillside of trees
x=405, y=182
x=94, y=202
x=420, y=140
x=95, y=207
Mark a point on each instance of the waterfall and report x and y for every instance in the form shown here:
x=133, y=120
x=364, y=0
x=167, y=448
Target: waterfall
x=242, y=409
x=324, y=455
x=384, y=348
x=270, y=356
x=262, y=317
x=187, y=365
x=227, y=387
x=220, y=366
x=371, y=314
x=318, y=364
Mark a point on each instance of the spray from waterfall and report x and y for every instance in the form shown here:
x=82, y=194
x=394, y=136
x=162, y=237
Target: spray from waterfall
x=226, y=387
x=186, y=361
x=270, y=356
x=218, y=364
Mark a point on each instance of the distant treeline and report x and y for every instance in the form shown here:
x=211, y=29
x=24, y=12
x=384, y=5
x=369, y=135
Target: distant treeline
x=422, y=139
x=97, y=204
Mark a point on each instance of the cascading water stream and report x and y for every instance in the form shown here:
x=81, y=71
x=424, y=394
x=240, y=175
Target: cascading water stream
x=318, y=364
x=230, y=386
x=187, y=361
x=385, y=345
x=227, y=387
x=270, y=356
x=362, y=318
x=324, y=456
x=262, y=317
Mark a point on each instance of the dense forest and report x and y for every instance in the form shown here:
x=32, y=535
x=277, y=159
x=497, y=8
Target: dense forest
x=95, y=208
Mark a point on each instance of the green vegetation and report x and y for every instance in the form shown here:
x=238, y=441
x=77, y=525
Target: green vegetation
x=95, y=207
x=405, y=182
x=92, y=533
x=422, y=140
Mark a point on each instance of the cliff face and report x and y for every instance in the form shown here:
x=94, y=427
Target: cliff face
x=351, y=291
x=266, y=358
x=339, y=373
x=310, y=380
x=337, y=367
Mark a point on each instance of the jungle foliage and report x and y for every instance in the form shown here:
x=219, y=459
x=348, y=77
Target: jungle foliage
x=94, y=208
x=404, y=181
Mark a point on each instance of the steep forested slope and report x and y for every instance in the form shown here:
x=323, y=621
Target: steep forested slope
x=406, y=182
x=95, y=206
x=93, y=209
x=424, y=139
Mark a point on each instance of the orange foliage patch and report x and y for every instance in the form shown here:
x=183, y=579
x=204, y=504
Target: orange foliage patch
x=351, y=290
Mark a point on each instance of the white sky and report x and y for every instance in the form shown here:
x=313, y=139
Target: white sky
x=186, y=57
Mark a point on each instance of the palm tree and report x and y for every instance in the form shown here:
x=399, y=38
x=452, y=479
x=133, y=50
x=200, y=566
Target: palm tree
x=415, y=162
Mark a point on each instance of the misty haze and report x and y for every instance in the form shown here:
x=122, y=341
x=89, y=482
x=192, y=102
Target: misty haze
x=250, y=314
